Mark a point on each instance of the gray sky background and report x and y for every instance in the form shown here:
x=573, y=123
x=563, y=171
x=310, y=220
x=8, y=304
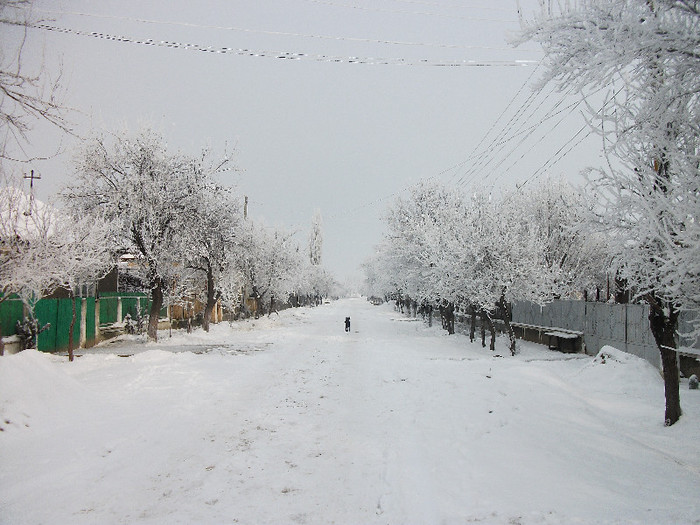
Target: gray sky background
x=312, y=133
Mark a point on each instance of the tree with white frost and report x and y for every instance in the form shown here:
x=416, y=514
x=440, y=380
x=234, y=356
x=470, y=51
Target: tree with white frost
x=316, y=239
x=210, y=236
x=44, y=249
x=25, y=225
x=270, y=261
x=576, y=258
x=647, y=52
x=81, y=252
x=148, y=193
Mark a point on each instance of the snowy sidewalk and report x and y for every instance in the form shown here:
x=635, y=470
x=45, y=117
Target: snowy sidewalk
x=289, y=419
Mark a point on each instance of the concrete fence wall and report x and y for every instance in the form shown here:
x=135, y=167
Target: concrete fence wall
x=624, y=326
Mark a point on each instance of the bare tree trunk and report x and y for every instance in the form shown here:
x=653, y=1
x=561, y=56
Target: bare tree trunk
x=663, y=323
x=154, y=315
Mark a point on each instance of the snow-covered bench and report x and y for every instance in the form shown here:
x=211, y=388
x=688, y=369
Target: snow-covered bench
x=558, y=336
x=109, y=330
x=560, y=339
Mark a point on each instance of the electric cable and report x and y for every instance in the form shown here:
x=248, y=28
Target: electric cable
x=455, y=6
x=483, y=138
x=419, y=13
x=280, y=33
x=287, y=55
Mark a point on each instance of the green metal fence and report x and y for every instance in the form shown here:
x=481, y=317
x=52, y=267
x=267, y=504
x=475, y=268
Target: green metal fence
x=58, y=313
x=11, y=311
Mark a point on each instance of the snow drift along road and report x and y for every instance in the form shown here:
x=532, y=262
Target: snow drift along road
x=289, y=419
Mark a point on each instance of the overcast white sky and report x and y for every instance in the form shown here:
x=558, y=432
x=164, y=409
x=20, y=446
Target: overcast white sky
x=312, y=133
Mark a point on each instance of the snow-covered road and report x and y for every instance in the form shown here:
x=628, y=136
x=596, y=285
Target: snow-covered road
x=289, y=419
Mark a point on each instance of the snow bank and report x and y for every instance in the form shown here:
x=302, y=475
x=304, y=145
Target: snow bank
x=31, y=385
x=613, y=370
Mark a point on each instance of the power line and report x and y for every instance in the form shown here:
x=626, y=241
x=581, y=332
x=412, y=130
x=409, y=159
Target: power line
x=553, y=160
x=455, y=6
x=489, y=155
x=503, y=173
x=282, y=33
x=500, y=139
x=510, y=103
x=483, y=159
x=287, y=55
x=521, y=121
x=419, y=13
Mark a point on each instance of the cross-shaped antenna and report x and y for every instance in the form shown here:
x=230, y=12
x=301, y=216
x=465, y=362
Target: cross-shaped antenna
x=31, y=178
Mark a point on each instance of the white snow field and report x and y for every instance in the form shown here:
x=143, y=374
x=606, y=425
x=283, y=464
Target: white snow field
x=289, y=419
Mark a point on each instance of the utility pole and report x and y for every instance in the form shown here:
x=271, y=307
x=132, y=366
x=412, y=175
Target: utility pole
x=31, y=177
x=245, y=208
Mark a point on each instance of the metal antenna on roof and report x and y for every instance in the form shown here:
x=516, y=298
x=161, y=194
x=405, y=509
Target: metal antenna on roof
x=31, y=178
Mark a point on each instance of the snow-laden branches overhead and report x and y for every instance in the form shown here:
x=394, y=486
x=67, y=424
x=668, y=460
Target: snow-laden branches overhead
x=25, y=96
x=649, y=51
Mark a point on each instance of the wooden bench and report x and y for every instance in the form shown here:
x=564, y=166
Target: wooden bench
x=109, y=330
x=560, y=339
x=559, y=336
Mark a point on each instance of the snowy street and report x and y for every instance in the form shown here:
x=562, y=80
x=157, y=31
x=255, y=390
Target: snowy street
x=289, y=419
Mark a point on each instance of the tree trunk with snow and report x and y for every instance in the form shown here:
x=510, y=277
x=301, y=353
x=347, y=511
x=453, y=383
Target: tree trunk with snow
x=72, y=326
x=472, y=327
x=505, y=309
x=487, y=321
x=663, y=321
x=154, y=314
x=211, y=299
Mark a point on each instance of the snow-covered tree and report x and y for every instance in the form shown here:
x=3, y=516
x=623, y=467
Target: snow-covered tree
x=81, y=249
x=24, y=223
x=270, y=261
x=482, y=253
x=316, y=239
x=646, y=53
x=43, y=249
x=210, y=237
x=576, y=258
x=412, y=244
x=147, y=193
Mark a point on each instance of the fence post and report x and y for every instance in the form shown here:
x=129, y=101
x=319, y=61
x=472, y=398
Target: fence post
x=97, y=319
x=119, y=309
x=83, y=323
